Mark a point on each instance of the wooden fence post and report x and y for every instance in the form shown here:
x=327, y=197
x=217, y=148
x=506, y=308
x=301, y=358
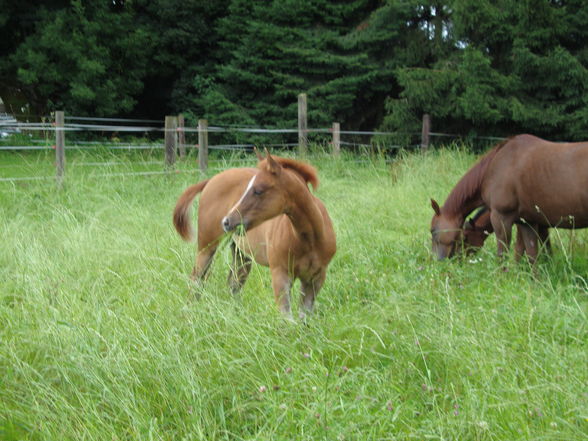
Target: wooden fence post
x=336, y=139
x=203, y=145
x=302, y=124
x=426, y=131
x=171, y=140
x=59, y=146
x=181, y=136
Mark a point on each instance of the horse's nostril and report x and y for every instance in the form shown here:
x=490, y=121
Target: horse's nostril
x=226, y=222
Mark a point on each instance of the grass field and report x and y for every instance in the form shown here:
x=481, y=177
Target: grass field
x=100, y=338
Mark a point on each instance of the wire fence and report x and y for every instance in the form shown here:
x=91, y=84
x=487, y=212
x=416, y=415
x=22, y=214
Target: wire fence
x=74, y=133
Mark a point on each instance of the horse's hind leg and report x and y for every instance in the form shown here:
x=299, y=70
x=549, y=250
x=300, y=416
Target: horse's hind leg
x=200, y=270
x=239, y=271
x=209, y=236
x=530, y=239
x=310, y=290
x=519, y=245
x=203, y=261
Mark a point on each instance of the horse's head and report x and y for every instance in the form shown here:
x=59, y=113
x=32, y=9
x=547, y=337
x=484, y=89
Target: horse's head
x=473, y=237
x=476, y=230
x=446, y=232
x=264, y=198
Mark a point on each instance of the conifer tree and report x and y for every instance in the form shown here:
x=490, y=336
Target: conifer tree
x=508, y=67
x=342, y=54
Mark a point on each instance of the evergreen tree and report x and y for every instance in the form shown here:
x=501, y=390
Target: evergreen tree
x=87, y=59
x=185, y=51
x=342, y=54
x=512, y=66
x=492, y=67
x=107, y=58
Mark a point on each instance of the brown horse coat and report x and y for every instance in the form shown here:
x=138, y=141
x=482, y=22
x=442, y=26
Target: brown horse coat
x=535, y=182
x=525, y=180
x=287, y=227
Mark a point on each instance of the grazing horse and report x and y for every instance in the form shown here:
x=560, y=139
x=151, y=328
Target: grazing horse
x=536, y=184
x=526, y=180
x=448, y=220
x=286, y=227
x=479, y=227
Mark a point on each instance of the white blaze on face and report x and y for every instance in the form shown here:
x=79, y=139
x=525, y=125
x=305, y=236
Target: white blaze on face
x=244, y=193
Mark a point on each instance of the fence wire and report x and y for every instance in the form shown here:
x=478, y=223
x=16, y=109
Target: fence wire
x=75, y=124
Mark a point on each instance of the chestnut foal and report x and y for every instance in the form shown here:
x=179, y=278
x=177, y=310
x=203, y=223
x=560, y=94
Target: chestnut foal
x=286, y=227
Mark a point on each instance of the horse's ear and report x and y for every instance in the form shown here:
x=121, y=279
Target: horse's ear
x=259, y=156
x=272, y=165
x=435, y=206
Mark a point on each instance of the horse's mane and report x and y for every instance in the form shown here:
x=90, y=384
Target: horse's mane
x=470, y=184
x=306, y=171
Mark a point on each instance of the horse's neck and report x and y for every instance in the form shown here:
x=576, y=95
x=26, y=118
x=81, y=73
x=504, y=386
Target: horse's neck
x=468, y=205
x=304, y=213
x=466, y=196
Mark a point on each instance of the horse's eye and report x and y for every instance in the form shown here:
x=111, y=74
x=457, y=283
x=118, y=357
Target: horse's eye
x=257, y=191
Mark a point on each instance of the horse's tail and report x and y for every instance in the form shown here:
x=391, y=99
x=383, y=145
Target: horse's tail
x=182, y=211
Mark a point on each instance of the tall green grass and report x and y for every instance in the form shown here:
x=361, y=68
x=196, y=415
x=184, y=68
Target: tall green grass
x=101, y=339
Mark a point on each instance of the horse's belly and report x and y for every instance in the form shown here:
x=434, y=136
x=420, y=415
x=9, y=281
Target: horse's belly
x=563, y=213
x=556, y=194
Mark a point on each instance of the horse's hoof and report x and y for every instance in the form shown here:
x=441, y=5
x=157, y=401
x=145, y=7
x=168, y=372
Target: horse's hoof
x=288, y=317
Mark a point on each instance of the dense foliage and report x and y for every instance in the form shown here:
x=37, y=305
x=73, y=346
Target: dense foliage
x=477, y=66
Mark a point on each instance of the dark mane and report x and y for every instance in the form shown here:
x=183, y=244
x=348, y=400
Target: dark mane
x=305, y=171
x=468, y=188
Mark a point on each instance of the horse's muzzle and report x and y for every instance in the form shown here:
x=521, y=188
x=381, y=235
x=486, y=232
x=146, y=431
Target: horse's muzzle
x=229, y=224
x=443, y=252
x=226, y=223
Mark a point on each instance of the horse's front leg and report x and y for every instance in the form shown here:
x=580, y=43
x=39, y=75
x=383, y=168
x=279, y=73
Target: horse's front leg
x=281, y=283
x=310, y=290
x=503, y=229
x=201, y=267
x=239, y=270
x=203, y=261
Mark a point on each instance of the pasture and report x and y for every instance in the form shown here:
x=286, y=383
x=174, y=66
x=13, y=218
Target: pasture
x=101, y=339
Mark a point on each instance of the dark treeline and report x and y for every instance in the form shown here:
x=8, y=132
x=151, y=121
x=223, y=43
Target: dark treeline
x=493, y=67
